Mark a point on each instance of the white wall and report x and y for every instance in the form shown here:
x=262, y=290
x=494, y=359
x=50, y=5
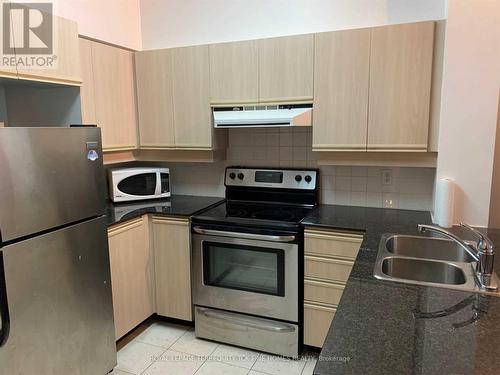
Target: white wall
x=494, y=219
x=173, y=23
x=469, y=101
x=113, y=21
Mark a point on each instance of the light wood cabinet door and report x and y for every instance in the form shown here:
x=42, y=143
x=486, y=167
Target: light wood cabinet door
x=192, y=114
x=234, y=72
x=67, y=70
x=154, y=74
x=341, y=76
x=317, y=321
x=286, y=69
x=400, y=86
x=87, y=89
x=114, y=96
x=172, y=267
x=132, y=276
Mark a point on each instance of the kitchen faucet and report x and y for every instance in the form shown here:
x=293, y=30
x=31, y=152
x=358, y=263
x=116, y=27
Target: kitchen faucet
x=483, y=253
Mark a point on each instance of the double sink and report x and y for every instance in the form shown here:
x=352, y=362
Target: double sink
x=426, y=261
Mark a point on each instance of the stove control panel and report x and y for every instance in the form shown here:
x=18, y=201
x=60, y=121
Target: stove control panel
x=272, y=178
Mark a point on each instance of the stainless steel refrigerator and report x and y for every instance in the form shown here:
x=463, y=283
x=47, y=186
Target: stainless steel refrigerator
x=55, y=288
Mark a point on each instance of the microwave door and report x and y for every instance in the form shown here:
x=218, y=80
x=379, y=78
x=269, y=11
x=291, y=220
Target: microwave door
x=137, y=186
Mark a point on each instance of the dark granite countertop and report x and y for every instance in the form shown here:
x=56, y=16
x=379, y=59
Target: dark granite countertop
x=176, y=205
x=375, y=329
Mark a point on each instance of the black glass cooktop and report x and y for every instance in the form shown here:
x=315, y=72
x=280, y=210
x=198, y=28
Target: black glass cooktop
x=252, y=213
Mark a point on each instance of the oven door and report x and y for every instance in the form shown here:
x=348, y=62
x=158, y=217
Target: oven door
x=252, y=276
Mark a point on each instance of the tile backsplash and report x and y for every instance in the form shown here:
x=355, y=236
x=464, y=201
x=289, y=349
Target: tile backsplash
x=393, y=187
x=271, y=147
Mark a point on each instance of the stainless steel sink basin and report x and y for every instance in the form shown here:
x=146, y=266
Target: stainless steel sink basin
x=427, y=248
x=423, y=270
x=426, y=261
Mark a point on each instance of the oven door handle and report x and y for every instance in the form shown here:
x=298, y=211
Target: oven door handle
x=251, y=236
x=274, y=327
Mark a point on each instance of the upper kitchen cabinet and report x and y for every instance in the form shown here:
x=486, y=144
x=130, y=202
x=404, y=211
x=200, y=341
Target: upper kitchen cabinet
x=108, y=94
x=341, y=69
x=154, y=74
x=173, y=95
x=286, y=69
x=191, y=99
x=234, y=72
x=400, y=87
x=67, y=70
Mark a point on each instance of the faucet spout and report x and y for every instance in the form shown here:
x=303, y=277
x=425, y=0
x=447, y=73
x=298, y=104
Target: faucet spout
x=432, y=228
x=483, y=253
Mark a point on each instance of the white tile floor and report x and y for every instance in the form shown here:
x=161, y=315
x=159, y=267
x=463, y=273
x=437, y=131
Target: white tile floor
x=166, y=348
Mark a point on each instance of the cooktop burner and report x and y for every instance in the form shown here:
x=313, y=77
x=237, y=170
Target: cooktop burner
x=276, y=214
x=264, y=198
x=252, y=213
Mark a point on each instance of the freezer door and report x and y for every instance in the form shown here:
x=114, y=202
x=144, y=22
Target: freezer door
x=60, y=304
x=47, y=178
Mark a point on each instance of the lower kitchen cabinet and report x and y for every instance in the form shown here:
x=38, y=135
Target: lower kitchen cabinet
x=317, y=321
x=132, y=274
x=172, y=267
x=328, y=260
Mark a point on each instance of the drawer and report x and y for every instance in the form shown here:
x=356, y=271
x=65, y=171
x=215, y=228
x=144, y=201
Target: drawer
x=247, y=331
x=327, y=269
x=332, y=244
x=319, y=291
x=317, y=321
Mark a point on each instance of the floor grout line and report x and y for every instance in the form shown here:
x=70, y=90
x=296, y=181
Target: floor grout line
x=251, y=368
x=126, y=372
x=152, y=363
x=205, y=361
x=178, y=338
x=232, y=364
x=148, y=343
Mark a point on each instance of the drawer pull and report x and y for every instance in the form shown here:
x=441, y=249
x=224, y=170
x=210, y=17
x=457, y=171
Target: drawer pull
x=251, y=323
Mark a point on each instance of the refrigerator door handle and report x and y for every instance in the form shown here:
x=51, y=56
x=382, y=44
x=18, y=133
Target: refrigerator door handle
x=4, y=308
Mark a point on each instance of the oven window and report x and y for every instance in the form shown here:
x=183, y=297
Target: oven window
x=139, y=184
x=253, y=269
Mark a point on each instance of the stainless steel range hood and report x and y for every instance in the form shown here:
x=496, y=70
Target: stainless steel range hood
x=263, y=116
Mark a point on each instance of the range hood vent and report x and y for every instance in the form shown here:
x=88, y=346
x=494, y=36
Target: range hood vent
x=261, y=116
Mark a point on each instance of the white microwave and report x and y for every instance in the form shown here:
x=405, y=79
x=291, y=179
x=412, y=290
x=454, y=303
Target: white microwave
x=132, y=184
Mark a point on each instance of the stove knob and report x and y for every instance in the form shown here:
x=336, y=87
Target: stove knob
x=241, y=175
x=298, y=178
x=308, y=178
x=232, y=175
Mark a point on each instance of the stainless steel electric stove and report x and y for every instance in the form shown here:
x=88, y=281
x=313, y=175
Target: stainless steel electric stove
x=247, y=260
